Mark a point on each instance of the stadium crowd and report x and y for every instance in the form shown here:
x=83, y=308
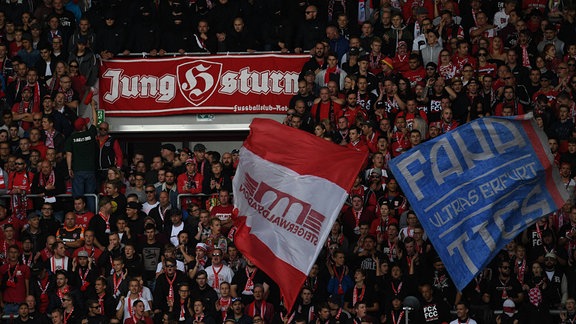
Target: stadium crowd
x=384, y=76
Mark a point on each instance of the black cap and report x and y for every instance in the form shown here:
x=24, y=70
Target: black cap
x=133, y=205
x=169, y=147
x=199, y=148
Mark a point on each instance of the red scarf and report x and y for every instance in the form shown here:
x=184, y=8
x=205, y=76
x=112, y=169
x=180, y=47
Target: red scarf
x=329, y=71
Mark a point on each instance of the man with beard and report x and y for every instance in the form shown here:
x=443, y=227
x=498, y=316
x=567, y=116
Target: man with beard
x=503, y=286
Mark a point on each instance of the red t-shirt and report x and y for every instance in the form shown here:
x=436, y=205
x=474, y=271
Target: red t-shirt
x=83, y=219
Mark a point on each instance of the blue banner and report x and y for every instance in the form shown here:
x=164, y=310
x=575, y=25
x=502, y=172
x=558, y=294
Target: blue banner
x=477, y=187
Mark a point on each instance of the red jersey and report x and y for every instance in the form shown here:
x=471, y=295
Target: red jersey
x=83, y=218
x=415, y=76
x=326, y=110
x=353, y=114
x=222, y=213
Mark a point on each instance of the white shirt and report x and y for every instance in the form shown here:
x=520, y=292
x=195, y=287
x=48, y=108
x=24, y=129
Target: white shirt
x=174, y=234
x=146, y=207
x=128, y=300
x=501, y=19
x=225, y=274
x=470, y=321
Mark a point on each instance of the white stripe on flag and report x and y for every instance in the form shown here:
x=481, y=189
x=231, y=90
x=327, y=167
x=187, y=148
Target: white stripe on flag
x=295, y=241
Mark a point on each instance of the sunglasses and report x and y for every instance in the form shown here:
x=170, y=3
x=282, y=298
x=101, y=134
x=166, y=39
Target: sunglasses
x=149, y=191
x=169, y=266
x=19, y=163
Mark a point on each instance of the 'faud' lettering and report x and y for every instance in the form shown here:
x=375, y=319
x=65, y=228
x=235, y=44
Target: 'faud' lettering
x=449, y=158
x=477, y=187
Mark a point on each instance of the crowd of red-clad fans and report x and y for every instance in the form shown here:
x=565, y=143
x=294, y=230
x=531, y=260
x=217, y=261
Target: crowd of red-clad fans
x=384, y=76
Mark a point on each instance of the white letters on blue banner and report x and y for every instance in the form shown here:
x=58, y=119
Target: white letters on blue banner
x=477, y=187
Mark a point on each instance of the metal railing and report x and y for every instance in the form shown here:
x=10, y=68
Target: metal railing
x=93, y=196
x=177, y=54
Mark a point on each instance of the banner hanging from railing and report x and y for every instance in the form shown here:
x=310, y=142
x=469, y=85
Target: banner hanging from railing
x=226, y=84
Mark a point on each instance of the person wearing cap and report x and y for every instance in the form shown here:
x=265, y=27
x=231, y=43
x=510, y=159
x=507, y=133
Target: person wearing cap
x=85, y=58
x=81, y=149
x=84, y=272
x=110, y=37
x=175, y=226
x=509, y=313
x=238, y=316
x=375, y=180
x=168, y=152
x=557, y=292
x=135, y=224
x=202, y=163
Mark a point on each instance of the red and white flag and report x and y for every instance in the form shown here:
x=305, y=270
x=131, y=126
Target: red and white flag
x=289, y=189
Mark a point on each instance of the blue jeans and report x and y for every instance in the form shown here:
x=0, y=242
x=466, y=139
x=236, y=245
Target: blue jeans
x=11, y=309
x=84, y=182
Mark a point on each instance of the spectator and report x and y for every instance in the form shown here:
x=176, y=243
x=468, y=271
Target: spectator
x=81, y=156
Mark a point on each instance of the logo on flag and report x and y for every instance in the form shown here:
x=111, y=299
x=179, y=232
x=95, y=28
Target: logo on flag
x=288, y=199
x=477, y=187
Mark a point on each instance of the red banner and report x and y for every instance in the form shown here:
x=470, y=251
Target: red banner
x=226, y=84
